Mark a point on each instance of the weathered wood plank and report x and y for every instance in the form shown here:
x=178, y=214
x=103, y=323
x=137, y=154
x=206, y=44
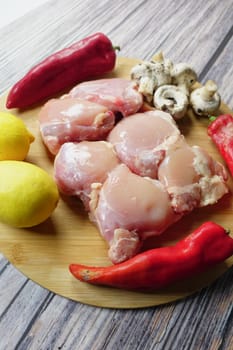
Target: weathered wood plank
x=192, y=31
x=74, y=320
x=3, y=262
x=11, y=282
x=195, y=323
x=200, y=321
x=222, y=71
x=160, y=29
x=21, y=313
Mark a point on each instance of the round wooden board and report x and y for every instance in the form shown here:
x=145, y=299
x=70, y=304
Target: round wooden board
x=43, y=253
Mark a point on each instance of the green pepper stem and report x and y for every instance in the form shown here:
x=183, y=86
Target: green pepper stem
x=212, y=118
x=116, y=48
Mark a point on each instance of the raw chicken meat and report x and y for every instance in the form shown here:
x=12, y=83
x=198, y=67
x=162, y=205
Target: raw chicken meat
x=129, y=208
x=141, y=140
x=158, y=179
x=73, y=119
x=141, y=180
x=80, y=167
x=192, y=178
x=117, y=94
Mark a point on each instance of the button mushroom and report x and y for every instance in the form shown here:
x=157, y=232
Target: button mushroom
x=171, y=99
x=183, y=76
x=205, y=100
x=150, y=75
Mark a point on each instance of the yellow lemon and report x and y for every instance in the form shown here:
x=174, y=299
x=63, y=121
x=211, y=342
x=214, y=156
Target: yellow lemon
x=28, y=194
x=15, y=139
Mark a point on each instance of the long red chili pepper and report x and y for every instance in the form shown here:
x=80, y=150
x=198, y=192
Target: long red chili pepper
x=86, y=59
x=221, y=133
x=160, y=267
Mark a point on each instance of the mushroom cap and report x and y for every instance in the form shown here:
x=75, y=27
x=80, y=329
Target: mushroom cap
x=172, y=99
x=182, y=73
x=150, y=75
x=162, y=72
x=140, y=70
x=206, y=99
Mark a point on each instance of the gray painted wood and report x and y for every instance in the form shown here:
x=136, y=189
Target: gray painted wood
x=198, y=32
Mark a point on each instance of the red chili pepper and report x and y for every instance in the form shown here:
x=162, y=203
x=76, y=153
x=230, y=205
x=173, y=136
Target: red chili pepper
x=86, y=59
x=160, y=267
x=221, y=133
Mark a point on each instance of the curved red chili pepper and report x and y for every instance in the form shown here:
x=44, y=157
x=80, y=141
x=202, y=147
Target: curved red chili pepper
x=86, y=59
x=208, y=245
x=221, y=133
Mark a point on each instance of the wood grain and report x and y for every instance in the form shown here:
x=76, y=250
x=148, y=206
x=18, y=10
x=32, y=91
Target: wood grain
x=44, y=252
x=194, y=31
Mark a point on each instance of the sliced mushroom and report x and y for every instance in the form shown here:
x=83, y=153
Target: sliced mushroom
x=206, y=99
x=183, y=76
x=171, y=99
x=150, y=75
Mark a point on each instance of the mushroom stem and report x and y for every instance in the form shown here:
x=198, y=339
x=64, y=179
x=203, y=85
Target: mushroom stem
x=206, y=99
x=208, y=90
x=158, y=57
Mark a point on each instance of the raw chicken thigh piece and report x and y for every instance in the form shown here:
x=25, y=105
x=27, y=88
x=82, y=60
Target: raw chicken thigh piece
x=192, y=178
x=73, y=119
x=213, y=177
x=136, y=184
x=80, y=166
x=128, y=209
x=117, y=94
x=142, y=139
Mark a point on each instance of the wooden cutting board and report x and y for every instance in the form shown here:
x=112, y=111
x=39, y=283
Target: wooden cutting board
x=43, y=253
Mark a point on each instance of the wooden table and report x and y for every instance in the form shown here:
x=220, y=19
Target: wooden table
x=201, y=33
